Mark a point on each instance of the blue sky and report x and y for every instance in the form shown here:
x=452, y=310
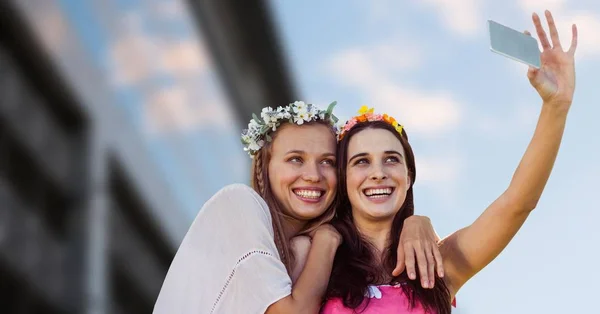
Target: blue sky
x=469, y=113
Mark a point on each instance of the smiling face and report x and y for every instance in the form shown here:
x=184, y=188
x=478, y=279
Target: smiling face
x=377, y=177
x=302, y=172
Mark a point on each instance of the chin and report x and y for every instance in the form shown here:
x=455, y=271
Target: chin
x=308, y=213
x=382, y=211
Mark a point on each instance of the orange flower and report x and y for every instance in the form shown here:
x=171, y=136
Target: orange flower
x=362, y=118
x=386, y=118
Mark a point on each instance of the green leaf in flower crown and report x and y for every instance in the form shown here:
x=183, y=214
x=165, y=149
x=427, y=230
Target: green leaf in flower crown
x=329, y=111
x=268, y=137
x=330, y=107
x=259, y=121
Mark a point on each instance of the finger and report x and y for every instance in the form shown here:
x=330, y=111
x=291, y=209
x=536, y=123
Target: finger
x=553, y=31
x=409, y=261
x=399, y=262
x=422, y=262
x=438, y=261
x=430, y=265
x=532, y=73
x=540, y=31
x=573, y=40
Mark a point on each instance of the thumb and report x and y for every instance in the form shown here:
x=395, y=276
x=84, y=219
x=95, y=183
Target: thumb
x=400, y=265
x=532, y=73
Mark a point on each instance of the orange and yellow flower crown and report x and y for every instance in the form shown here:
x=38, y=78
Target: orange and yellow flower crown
x=366, y=114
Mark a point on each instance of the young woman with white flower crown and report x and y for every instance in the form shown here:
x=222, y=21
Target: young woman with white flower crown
x=377, y=173
x=246, y=251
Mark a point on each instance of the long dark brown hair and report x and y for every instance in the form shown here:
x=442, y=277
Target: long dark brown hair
x=260, y=183
x=355, y=266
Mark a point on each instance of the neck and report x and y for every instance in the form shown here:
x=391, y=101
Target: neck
x=292, y=226
x=376, y=231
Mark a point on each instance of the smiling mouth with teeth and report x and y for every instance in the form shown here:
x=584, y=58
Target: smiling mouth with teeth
x=376, y=193
x=312, y=194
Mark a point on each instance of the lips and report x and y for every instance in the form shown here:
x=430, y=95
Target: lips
x=378, y=194
x=311, y=195
x=378, y=191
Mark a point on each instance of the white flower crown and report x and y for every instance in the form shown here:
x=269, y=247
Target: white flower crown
x=259, y=129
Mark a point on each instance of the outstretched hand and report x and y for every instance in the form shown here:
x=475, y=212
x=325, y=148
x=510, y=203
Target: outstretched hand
x=555, y=79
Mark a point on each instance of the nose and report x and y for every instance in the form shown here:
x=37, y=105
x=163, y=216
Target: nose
x=378, y=173
x=312, y=173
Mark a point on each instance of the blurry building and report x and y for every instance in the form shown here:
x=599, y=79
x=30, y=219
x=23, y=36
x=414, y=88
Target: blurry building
x=87, y=225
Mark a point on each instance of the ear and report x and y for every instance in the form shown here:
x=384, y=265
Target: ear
x=408, y=182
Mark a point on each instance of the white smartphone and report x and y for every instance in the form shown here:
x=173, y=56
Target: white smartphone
x=514, y=44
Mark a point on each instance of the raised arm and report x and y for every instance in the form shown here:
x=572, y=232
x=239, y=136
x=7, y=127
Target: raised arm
x=470, y=249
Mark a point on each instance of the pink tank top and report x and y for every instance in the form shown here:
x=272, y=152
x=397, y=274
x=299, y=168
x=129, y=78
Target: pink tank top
x=383, y=299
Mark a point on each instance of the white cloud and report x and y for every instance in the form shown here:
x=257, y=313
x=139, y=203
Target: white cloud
x=173, y=9
x=130, y=60
x=588, y=45
x=137, y=54
x=183, y=58
x=541, y=5
x=464, y=17
x=587, y=25
x=399, y=56
x=438, y=169
x=173, y=110
x=494, y=126
x=133, y=54
x=421, y=111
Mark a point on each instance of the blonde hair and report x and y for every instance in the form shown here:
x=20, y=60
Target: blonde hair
x=261, y=184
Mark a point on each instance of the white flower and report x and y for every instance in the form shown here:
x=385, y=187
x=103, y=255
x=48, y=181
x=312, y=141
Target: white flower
x=301, y=117
x=299, y=106
x=253, y=125
x=374, y=292
x=254, y=146
x=297, y=112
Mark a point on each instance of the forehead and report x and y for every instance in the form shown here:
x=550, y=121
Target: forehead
x=313, y=139
x=373, y=141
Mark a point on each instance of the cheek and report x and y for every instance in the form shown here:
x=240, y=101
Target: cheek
x=331, y=177
x=353, y=182
x=280, y=177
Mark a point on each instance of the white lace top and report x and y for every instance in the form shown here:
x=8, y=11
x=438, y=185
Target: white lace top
x=227, y=262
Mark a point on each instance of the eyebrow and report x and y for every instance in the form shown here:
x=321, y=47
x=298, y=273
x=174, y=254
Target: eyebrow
x=387, y=152
x=392, y=152
x=356, y=156
x=301, y=152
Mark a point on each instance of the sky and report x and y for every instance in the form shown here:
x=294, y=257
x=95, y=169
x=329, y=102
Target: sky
x=470, y=114
x=154, y=61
